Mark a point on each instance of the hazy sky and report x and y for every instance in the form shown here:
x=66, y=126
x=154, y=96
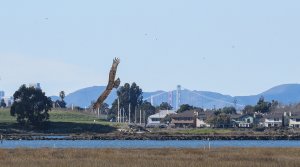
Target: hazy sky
x=233, y=47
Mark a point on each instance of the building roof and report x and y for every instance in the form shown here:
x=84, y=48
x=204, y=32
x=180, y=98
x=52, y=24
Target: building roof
x=185, y=114
x=237, y=116
x=273, y=115
x=162, y=113
x=205, y=115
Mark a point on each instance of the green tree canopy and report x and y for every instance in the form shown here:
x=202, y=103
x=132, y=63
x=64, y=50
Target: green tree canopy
x=248, y=110
x=61, y=103
x=165, y=106
x=31, y=106
x=62, y=95
x=220, y=120
x=185, y=107
x=148, y=108
x=128, y=94
x=229, y=110
x=262, y=106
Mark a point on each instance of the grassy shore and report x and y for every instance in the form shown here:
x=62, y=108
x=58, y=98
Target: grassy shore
x=222, y=157
x=61, y=122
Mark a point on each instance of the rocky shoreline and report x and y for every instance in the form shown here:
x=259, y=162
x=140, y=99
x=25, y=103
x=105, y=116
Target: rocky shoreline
x=150, y=137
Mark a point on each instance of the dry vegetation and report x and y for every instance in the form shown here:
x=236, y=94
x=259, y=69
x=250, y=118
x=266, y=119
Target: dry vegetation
x=222, y=157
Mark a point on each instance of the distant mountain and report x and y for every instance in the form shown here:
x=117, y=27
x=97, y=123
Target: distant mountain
x=286, y=94
x=85, y=96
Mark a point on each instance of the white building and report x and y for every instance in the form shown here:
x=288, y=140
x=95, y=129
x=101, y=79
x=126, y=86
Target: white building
x=293, y=119
x=294, y=122
x=155, y=120
x=273, y=120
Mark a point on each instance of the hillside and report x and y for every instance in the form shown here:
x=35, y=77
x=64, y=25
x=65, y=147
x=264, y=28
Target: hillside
x=286, y=94
x=60, y=122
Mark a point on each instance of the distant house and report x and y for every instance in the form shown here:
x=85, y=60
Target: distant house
x=242, y=121
x=273, y=120
x=292, y=119
x=156, y=119
x=185, y=119
x=201, y=120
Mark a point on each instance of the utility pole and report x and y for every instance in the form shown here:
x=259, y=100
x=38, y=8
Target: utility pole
x=144, y=118
x=135, y=115
x=118, y=118
x=123, y=115
x=140, y=117
x=129, y=113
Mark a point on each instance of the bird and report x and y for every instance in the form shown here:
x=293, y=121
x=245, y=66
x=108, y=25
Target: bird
x=112, y=83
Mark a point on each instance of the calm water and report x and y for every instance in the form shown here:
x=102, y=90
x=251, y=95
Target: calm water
x=146, y=143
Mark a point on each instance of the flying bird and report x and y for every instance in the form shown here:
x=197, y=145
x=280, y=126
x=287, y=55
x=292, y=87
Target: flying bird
x=112, y=83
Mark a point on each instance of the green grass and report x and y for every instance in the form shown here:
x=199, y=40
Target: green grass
x=59, y=116
x=69, y=116
x=59, y=122
x=78, y=117
x=5, y=116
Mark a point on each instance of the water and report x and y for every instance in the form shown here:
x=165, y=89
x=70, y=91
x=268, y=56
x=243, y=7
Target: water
x=146, y=143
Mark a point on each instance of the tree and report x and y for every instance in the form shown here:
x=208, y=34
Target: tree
x=262, y=106
x=274, y=105
x=2, y=103
x=61, y=103
x=128, y=94
x=147, y=108
x=229, y=110
x=31, y=106
x=104, y=107
x=136, y=97
x=62, y=95
x=185, y=107
x=222, y=120
x=248, y=110
x=217, y=111
x=165, y=106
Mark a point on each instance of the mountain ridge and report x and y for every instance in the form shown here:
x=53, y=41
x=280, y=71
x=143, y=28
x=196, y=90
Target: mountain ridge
x=285, y=93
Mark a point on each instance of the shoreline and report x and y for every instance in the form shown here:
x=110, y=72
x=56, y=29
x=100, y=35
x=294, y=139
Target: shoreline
x=146, y=137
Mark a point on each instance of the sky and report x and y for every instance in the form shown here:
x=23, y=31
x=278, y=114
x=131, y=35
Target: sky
x=232, y=47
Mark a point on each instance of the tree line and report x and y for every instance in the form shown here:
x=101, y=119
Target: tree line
x=31, y=106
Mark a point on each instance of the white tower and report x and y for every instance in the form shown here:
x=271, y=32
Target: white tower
x=178, y=97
